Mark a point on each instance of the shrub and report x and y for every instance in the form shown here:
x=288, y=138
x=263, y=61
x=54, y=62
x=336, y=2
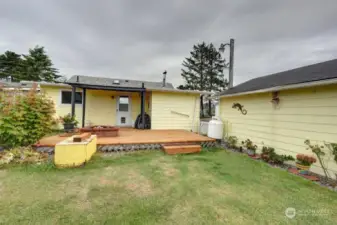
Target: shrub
x=318, y=151
x=25, y=117
x=333, y=149
x=22, y=155
x=232, y=142
x=269, y=155
x=305, y=160
x=248, y=144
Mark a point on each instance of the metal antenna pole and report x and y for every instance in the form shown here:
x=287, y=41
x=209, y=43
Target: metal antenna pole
x=231, y=62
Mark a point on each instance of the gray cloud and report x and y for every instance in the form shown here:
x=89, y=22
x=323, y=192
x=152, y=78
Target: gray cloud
x=140, y=39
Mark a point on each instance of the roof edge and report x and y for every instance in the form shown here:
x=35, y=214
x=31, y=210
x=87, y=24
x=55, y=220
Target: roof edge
x=46, y=83
x=285, y=87
x=179, y=91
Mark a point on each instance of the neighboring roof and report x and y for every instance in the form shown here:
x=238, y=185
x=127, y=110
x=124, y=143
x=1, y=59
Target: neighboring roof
x=180, y=91
x=109, y=82
x=15, y=85
x=311, y=75
x=44, y=83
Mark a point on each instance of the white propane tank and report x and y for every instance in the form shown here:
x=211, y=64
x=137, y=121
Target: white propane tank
x=215, y=128
x=203, y=127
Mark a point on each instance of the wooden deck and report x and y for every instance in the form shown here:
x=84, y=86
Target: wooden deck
x=133, y=136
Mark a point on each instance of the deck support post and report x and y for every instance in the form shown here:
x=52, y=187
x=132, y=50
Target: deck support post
x=142, y=107
x=84, y=94
x=73, y=92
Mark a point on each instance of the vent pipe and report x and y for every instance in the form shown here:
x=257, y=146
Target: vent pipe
x=164, y=78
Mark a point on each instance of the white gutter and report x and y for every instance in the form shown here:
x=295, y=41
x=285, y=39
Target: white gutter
x=286, y=87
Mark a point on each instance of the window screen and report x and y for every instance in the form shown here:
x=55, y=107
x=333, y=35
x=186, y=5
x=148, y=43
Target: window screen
x=66, y=97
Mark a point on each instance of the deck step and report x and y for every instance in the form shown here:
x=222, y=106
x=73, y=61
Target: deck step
x=181, y=149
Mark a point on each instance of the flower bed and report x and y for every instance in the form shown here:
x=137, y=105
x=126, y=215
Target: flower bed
x=101, y=131
x=317, y=178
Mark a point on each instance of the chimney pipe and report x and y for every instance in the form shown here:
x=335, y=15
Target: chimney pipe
x=77, y=79
x=164, y=78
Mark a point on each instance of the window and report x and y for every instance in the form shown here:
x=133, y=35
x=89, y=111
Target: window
x=66, y=97
x=123, y=104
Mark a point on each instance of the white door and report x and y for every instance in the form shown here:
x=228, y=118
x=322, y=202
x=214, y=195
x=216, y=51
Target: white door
x=124, y=111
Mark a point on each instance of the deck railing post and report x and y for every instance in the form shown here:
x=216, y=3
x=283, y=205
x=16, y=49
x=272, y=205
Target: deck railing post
x=73, y=92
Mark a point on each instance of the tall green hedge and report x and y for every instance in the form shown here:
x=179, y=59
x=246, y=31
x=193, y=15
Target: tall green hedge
x=24, y=117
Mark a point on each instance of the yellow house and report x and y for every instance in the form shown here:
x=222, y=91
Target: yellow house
x=118, y=102
x=285, y=109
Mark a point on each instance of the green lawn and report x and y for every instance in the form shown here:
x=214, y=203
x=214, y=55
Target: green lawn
x=213, y=187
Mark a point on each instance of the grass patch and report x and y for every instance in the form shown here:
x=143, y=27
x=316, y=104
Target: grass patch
x=213, y=187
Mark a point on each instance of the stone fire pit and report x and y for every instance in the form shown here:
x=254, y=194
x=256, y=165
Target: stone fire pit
x=101, y=131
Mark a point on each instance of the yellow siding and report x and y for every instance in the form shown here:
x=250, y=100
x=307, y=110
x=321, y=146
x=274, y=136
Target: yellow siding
x=62, y=109
x=309, y=113
x=100, y=105
x=175, y=111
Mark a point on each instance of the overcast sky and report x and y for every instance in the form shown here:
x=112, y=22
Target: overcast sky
x=139, y=39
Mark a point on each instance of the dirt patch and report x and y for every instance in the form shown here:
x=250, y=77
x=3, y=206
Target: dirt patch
x=168, y=169
x=181, y=213
x=109, y=168
x=83, y=202
x=166, y=166
x=139, y=184
x=222, y=192
x=105, y=181
x=1, y=188
x=3, y=173
x=170, y=172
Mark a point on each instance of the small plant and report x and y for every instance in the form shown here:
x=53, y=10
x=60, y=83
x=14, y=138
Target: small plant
x=318, y=151
x=333, y=148
x=68, y=119
x=232, y=142
x=305, y=160
x=249, y=145
x=269, y=155
x=69, y=122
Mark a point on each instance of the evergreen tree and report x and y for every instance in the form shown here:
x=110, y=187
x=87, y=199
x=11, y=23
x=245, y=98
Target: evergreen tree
x=37, y=66
x=10, y=66
x=203, y=70
x=215, y=81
